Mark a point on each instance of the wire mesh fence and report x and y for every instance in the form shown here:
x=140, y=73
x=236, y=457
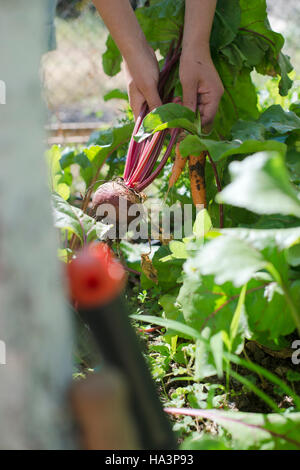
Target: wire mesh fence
x=285, y=16
x=73, y=78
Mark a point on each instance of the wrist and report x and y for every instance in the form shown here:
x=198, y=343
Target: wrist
x=198, y=51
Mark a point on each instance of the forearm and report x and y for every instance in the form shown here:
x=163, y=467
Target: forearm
x=122, y=24
x=199, y=15
x=141, y=64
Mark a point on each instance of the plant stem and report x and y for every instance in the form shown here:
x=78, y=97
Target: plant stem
x=162, y=163
x=219, y=186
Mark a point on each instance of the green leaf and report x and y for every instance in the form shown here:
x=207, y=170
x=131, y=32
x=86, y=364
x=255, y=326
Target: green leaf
x=204, y=359
x=178, y=249
x=229, y=259
x=218, y=150
x=116, y=94
x=248, y=130
x=71, y=218
x=260, y=183
x=254, y=22
x=67, y=157
x=106, y=138
x=161, y=22
x=285, y=68
x=212, y=301
x=216, y=346
x=83, y=159
x=234, y=326
x=276, y=120
x=295, y=108
x=202, y=224
x=61, y=188
x=240, y=97
x=171, y=115
x=209, y=307
x=268, y=312
x=203, y=442
x=171, y=324
x=100, y=145
x=59, y=180
x=226, y=23
x=293, y=254
x=191, y=145
x=111, y=59
x=253, y=48
x=262, y=238
x=168, y=268
x=257, y=431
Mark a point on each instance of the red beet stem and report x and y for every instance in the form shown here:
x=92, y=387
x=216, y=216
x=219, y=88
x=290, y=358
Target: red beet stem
x=133, y=144
x=153, y=159
x=147, y=181
x=142, y=157
x=139, y=150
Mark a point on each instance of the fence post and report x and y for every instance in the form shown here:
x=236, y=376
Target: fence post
x=35, y=330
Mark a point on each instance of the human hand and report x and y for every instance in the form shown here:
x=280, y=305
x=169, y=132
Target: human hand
x=142, y=73
x=201, y=84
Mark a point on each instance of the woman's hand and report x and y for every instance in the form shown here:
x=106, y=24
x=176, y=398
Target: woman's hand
x=141, y=65
x=142, y=73
x=200, y=81
x=201, y=84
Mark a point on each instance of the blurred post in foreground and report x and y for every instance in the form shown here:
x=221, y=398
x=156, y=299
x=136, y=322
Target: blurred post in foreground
x=34, y=322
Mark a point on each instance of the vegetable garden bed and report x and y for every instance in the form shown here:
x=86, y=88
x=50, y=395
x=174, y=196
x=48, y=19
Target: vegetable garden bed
x=218, y=310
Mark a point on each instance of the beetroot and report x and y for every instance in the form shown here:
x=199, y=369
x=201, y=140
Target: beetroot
x=119, y=196
x=141, y=167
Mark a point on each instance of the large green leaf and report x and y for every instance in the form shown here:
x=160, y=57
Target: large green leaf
x=263, y=238
x=254, y=430
x=210, y=291
x=261, y=184
x=276, y=120
x=71, y=218
x=226, y=23
x=194, y=145
x=168, y=268
x=239, y=100
x=269, y=313
x=248, y=130
x=60, y=179
x=170, y=115
x=206, y=305
x=101, y=144
x=254, y=22
x=161, y=22
x=228, y=259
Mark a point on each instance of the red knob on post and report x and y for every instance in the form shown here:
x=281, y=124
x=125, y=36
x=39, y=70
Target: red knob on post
x=95, y=276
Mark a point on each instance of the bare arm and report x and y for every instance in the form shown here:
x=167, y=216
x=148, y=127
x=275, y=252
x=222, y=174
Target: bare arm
x=141, y=65
x=201, y=84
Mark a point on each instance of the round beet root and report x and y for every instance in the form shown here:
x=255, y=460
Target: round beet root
x=112, y=201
